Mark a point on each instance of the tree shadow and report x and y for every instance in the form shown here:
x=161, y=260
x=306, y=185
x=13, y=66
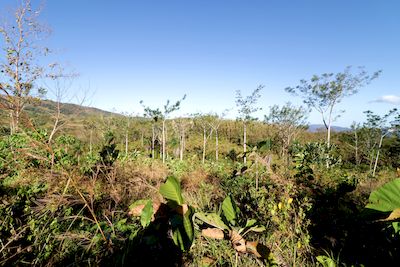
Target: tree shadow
x=152, y=246
x=341, y=225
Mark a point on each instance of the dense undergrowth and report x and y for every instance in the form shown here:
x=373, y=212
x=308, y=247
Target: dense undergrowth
x=61, y=205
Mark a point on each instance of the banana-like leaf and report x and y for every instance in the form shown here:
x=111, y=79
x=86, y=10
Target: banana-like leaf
x=147, y=214
x=229, y=210
x=212, y=219
x=188, y=226
x=171, y=190
x=178, y=239
x=386, y=198
x=144, y=209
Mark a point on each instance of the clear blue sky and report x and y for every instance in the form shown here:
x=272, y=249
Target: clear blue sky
x=127, y=51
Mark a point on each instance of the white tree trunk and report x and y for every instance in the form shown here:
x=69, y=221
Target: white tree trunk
x=329, y=135
x=377, y=156
x=244, y=142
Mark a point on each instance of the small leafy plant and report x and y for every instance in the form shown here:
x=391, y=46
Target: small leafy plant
x=225, y=226
x=176, y=212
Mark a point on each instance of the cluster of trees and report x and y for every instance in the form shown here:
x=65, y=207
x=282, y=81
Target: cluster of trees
x=23, y=76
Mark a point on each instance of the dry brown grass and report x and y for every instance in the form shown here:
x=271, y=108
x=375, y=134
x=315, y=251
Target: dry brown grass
x=192, y=180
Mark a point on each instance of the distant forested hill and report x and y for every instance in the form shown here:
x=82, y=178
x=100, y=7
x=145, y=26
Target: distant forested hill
x=42, y=114
x=320, y=127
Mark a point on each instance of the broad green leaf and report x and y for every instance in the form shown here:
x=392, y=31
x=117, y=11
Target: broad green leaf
x=137, y=207
x=188, y=226
x=396, y=227
x=147, y=214
x=250, y=223
x=212, y=219
x=386, y=198
x=229, y=210
x=326, y=261
x=257, y=229
x=171, y=190
x=178, y=239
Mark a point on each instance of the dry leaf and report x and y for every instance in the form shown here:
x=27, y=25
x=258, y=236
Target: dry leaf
x=251, y=247
x=238, y=242
x=214, y=233
x=394, y=215
x=206, y=261
x=137, y=210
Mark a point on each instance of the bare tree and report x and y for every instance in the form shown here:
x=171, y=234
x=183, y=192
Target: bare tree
x=164, y=115
x=246, y=107
x=288, y=119
x=372, y=133
x=182, y=125
x=203, y=123
x=59, y=86
x=155, y=115
x=22, y=65
x=376, y=128
x=91, y=125
x=215, y=122
x=126, y=123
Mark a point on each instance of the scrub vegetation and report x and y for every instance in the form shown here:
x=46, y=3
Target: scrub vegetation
x=84, y=187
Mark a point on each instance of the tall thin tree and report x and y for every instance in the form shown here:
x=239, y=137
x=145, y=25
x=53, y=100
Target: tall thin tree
x=246, y=108
x=164, y=115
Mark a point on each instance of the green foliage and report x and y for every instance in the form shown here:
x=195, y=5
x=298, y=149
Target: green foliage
x=23, y=150
x=326, y=261
x=179, y=216
x=212, y=219
x=171, y=190
x=66, y=151
x=235, y=234
x=386, y=200
x=307, y=157
x=230, y=210
x=147, y=211
x=109, y=152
